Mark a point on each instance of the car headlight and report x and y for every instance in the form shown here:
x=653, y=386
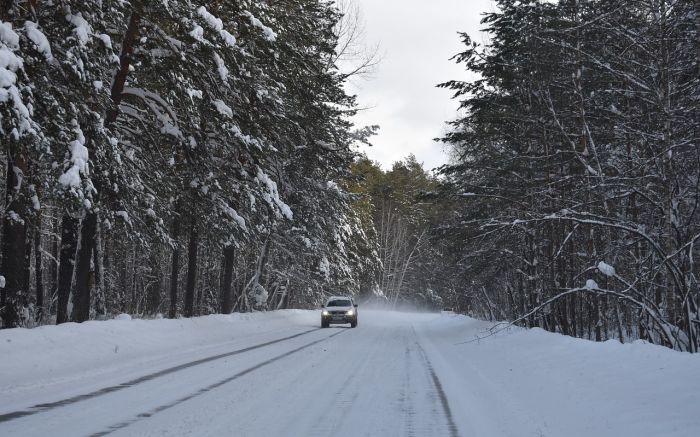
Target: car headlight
x=350, y=313
x=325, y=313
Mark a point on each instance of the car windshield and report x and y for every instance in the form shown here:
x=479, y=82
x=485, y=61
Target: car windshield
x=339, y=303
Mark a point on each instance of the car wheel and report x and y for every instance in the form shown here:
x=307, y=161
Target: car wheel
x=353, y=324
x=324, y=324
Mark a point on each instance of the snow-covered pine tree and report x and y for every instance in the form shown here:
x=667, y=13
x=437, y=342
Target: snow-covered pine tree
x=576, y=165
x=150, y=127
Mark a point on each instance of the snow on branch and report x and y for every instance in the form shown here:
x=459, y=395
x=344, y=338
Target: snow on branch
x=155, y=102
x=223, y=108
x=216, y=24
x=268, y=33
x=272, y=195
x=79, y=160
x=221, y=67
x=10, y=65
x=606, y=269
x=233, y=214
x=82, y=28
x=39, y=39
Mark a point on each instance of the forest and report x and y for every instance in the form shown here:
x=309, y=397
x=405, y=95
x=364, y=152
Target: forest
x=164, y=159
x=576, y=168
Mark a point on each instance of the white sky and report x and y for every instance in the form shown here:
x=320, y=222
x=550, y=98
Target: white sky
x=417, y=38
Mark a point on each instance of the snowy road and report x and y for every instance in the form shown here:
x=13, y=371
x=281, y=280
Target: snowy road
x=281, y=375
x=373, y=380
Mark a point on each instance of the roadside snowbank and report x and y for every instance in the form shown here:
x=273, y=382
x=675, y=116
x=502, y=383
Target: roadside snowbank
x=536, y=383
x=50, y=355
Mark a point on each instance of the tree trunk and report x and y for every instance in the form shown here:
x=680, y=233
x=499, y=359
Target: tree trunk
x=226, y=296
x=81, y=310
x=618, y=317
x=284, y=296
x=174, y=269
x=128, y=43
x=133, y=307
x=27, y=267
x=598, y=319
x=38, y=272
x=191, y=270
x=97, y=261
x=83, y=278
x=107, y=281
x=254, y=282
x=153, y=289
x=69, y=243
x=13, y=243
x=53, y=270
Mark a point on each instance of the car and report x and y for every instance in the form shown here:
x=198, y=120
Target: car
x=339, y=310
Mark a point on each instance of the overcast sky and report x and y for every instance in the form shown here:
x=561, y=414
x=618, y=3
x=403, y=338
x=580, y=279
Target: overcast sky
x=417, y=38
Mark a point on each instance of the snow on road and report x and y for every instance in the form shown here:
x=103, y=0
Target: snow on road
x=396, y=374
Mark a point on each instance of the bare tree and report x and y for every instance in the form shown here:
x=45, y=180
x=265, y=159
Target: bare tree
x=353, y=56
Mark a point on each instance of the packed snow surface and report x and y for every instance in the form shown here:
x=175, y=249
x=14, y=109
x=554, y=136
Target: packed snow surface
x=396, y=374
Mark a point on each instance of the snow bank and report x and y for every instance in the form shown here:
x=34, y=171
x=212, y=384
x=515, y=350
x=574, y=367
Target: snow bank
x=536, y=383
x=60, y=355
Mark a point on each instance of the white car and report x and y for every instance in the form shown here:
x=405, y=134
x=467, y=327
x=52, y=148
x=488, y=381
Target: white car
x=339, y=310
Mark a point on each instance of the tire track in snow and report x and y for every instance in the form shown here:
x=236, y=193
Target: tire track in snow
x=345, y=396
x=451, y=426
x=343, y=399
x=405, y=399
x=103, y=391
x=211, y=387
